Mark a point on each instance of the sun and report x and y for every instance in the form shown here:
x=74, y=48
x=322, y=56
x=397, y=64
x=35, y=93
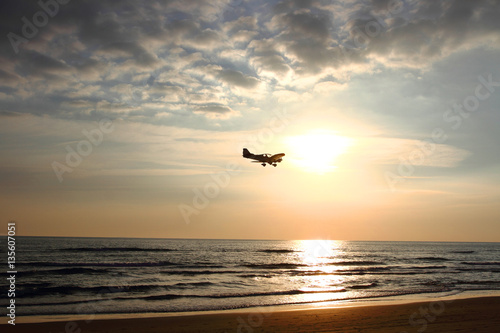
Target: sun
x=317, y=150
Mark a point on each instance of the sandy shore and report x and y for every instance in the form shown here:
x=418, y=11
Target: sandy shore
x=462, y=315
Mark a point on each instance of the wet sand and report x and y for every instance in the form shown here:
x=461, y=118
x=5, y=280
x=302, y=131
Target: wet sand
x=463, y=315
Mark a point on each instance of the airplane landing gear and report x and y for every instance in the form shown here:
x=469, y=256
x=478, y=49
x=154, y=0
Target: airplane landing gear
x=263, y=164
x=274, y=165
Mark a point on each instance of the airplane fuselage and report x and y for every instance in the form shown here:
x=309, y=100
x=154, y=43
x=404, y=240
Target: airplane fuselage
x=264, y=158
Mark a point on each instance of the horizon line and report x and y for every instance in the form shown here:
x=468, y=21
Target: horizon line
x=255, y=239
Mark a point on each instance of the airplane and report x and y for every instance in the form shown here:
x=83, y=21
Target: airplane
x=263, y=158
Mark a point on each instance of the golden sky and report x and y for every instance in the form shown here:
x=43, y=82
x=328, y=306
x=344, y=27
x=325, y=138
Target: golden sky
x=129, y=120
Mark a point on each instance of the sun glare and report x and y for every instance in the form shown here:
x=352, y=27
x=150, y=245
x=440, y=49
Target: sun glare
x=317, y=251
x=317, y=151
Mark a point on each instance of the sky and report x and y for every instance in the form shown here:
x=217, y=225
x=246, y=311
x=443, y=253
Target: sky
x=128, y=119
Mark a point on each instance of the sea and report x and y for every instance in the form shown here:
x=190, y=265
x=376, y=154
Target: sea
x=71, y=276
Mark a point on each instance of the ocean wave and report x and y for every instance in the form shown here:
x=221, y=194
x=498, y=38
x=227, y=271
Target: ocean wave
x=93, y=304
x=32, y=302
x=28, y=291
x=363, y=286
x=203, y=265
x=481, y=263
x=255, y=275
x=277, y=251
x=359, y=271
x=36, y=285
x=243, y=294
x=427, y=267
x=97, y=264
x=198, y=272
x=322, y=290
x=45, y=289
x=435, y=284
x=478, y=282
x=432, y=259
x=113, y=249
x=194, y=284
x=462, y=252
x=63, y=271
x=363, y=256
x=369, y=269
x=274, y=266
x=479, y=269
x=357, y=263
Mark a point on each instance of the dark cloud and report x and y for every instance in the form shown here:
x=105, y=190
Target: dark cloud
x=39, y=64
x=433, y=29
x=380, y=4
x=287, y=5
x=139, y=54
x=215, y=108
x=178, y=28
x=8, y=90
x=309, y=36
x=7, y=77
x=307, y=25
x=206, y=37
x=315, y=56
x=10, y=114
x=273, y=63
x=190, y=33
x=238, y=79
x=265, y=56
x=245, y=23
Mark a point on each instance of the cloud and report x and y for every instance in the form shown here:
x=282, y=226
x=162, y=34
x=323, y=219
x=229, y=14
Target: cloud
x=431, y=31
x=191, y=34
x=273, y=63
x=39, y=64
x=288, y=96
x=244, y=23
x=307, y=38
x=10, y=114
x=238, y=79
x=217, y=52
x=287, y=5
x=8, y=77
x=214, y=109
x=133, y=50
x=306, y=25
x=265, y=57
x=178, y=28
x=206, y=38
x=419, y=153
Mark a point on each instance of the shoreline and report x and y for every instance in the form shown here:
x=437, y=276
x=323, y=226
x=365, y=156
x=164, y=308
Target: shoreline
x=399, y=310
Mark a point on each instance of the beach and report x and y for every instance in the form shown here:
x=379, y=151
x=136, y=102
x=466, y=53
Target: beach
x=479, y=314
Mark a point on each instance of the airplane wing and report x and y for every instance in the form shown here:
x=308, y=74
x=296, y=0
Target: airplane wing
x=277, y=158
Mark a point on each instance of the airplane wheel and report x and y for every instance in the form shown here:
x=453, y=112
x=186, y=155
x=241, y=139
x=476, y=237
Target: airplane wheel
x=274, y=165
x=263, y=164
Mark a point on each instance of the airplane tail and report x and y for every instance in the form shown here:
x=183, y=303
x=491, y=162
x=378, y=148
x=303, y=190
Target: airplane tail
x=246, y=153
